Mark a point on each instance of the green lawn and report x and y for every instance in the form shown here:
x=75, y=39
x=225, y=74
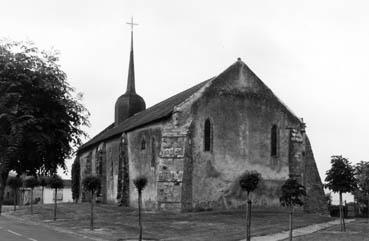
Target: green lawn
x=114, y=222
x=355, y=231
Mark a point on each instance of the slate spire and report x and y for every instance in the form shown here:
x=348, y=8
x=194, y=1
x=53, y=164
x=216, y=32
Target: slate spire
x=131, y=70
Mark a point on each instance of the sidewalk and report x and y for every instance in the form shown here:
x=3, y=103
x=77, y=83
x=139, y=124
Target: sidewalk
x=299, y=231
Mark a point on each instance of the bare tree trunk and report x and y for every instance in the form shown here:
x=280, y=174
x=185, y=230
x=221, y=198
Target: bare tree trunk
x=291, y=221
x=92, y=211
x=3, y=177
x=31, y=200
x=15, y=199
x=248, y=218
x=55, y=195
x=367, y=210
x=341, y=213
x=139, y=215
x=42, y=195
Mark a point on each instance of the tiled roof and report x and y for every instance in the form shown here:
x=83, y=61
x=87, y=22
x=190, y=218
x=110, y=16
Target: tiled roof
x=154, y=113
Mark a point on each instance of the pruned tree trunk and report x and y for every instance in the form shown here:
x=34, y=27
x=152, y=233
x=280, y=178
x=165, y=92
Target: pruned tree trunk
x=3, y=176
x=55, y=195
x=367, y=210
x=92, y=211
x=15, y=200
x=139, y=216
x=291, y=224
x=248, y=218
x=341, y=213
x=31, y=200
x=42, y=194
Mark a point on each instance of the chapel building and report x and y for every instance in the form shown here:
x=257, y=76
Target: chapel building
x=194, y=146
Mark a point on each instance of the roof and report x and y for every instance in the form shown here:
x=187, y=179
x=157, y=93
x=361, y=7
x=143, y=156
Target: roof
x=157, y=112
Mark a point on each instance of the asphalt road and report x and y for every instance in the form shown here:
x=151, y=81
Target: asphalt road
x=14, y=230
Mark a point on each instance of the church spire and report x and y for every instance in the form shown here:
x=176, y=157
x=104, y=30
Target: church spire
x=131, y=69
x=129, y=103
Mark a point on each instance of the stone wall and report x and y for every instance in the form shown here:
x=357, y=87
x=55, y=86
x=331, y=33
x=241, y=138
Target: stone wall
x=242, y=111
x=144, y=161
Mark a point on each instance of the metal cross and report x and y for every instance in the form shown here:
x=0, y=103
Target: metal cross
x=132, y=24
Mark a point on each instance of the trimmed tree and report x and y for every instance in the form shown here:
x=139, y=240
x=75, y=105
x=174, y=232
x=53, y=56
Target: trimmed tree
x=292, y=194
x=31, y=182
x=91, y=184
x=75, y=180
x=43, y=181
x=362, y=176
x=14, y=183
x=140, y=183
x=341, y=178
x=55, y=182
x=41, y=116
x=249, y=182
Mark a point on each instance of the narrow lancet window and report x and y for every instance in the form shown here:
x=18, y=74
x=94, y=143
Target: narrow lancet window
x=143, y=144
x=207, y=135
x=274, y=141
x=153, y=153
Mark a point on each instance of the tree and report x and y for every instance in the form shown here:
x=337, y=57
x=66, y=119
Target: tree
x=31, y=182
x=43, y=181
x=75, y=180
x=55, y=182
x=40, y=115
x=292, y=194
x=341, y=178
x=362, y=177
x=14, y=183
x=140, y=183
x=249, y=182
x=91, y=184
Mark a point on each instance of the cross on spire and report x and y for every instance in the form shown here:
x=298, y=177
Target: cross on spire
x=132, y=24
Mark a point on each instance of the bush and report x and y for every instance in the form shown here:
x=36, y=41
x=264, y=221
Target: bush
x=14, y=182
x=75, y=179
x=55, y=182
x=91, y=183
x=30, y=182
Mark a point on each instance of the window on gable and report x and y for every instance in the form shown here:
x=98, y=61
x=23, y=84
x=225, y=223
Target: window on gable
x=143, y=144
x=207, y=135
x=274, y=141
x=153, y=152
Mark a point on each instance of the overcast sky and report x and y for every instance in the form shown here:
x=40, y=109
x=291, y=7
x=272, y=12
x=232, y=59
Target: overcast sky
x=313, y=54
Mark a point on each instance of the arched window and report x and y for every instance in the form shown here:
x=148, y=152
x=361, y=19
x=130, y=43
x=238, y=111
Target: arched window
x=143, y=144
x=153, y=152
x=274, y=141
x=207, y=135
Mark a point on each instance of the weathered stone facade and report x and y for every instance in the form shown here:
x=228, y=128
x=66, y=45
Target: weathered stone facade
x=191, y=166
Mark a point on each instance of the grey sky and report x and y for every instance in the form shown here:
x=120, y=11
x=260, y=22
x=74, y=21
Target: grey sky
x=313, y=54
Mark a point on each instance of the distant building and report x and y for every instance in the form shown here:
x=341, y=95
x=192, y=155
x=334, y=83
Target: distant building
x=193, y=146
x=24, y=195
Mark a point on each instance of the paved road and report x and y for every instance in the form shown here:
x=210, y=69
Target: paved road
x=14, y=230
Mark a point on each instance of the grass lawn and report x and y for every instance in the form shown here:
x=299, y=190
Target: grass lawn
x=112, y=222
x=355, y=231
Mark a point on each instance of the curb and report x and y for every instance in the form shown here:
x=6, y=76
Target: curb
x=298, y=231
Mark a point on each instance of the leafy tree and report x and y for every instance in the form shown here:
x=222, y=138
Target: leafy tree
x=140, y=183
x=55, y=182
x=249, y=182
x=341, y=178
x=43, y=181
x=292, y=194
x=40, y=114
x=75, y=180
x=91, y=184
x=14, y=183
x=362, y=176
x=31, y=182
